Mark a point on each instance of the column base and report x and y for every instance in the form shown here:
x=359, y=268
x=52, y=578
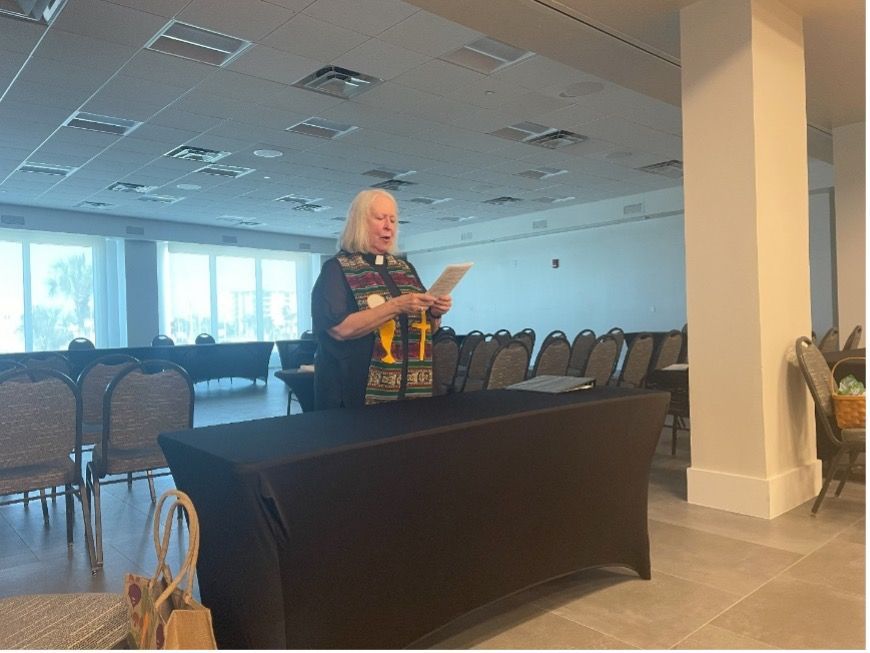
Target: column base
x=757, y=497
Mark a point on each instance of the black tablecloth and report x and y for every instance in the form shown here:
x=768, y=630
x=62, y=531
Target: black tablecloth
x=300, y=384
x=371, y=527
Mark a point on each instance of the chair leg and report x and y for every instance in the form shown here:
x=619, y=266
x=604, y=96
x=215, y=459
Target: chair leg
x=44, y=504
x=26, y=498
x=129, y=480
x=98, y=524
x=853, y=456
x=673, y=435
x=53, y=493
x=70, y=509
x=828, y=478
x=151, y=486
x=86, y=516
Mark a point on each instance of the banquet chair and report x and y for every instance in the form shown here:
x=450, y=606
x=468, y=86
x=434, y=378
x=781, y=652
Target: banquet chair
x=78, y=344
x=48, y=361
x=602, y=360
x=509, y=365
x=580, y=350
x=161, y=340
x=204, y=339
x=669, y=350
x=684, y=347
x=469, y=342
x=6, y=365
x=618, y=335
x=445, y=357
x=503, y=336
x=854, y=338
x=637, y=360
x=442, y=332
x=92, y=383
x=142, y=401
x=830, y=341
x=478, y=366
x=553, y=356
x=40, y=424
x=527, y=337
x=847, y=442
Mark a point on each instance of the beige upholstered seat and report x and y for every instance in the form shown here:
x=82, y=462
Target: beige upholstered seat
x=602, y=360
x=580, y=350
x=553, y=356
x=92, y=384
x=637, y=360
x=478, y=366
x=854, y=338
x=527, y=337
x=509, y=365
x=142, y=401
x=445, y=357
x=669, y=350
x=830, y=341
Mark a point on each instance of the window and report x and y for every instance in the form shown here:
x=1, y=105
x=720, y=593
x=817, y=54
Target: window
x=280, y=316
x=11, y=297
x=236, y=299
x=188, y=305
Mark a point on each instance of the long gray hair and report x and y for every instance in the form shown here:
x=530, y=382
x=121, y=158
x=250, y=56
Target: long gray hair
x=355, y=237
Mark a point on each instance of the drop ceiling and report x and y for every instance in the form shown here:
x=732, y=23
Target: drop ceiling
x=428, y=122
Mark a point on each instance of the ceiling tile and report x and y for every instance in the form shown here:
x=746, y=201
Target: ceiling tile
x=439, y=77
x=250, y=20
x=308, y=37
x=109, y=22
x=158, y=7
x=277, y=65
x=371, y=17
x=80, y=50
x=160, y=67
x=380, y=59
x=150, y=95
x=18, y=35
x=538, y=72
x=61, y=98
x=56, y=74
x=429, y=34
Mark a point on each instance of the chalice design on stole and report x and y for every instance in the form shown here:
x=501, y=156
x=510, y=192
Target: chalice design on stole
x=386, y=331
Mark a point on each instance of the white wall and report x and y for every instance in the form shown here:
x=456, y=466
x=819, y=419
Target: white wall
x=140, y=257
x=822, y=281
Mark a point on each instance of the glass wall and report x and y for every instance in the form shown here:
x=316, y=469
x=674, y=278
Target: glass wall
x=11, y=297
x=188, y=305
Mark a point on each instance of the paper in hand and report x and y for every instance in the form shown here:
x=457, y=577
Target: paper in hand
x=445, y=284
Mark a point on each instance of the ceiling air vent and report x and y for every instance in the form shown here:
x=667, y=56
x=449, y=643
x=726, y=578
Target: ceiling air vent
x=429, y=201
x=232, y=172
x=47, y=169
x=501, y=201
x=203, y=45
x=449, y=218
x=672, y=169
x=200, y=154
x=404, y=222
x=632, y=209
x=13, y=220
x=542, y=172
x=230, y=240
x=305, y=247
x=38, y=11
x=321, y=128
x=135, y=231
x=240, y=221
x=160, y=199
x=338, y=82
x=555, y=200
x=125, y=187
x=535, y=134
x=466, y=235
x=394, y=184
x=299, y=199
x=97, y=123
x=338, y=218
x=388, y=173
x=539, y=224
x=486, y=55
x=310, y=208
x=93, y=205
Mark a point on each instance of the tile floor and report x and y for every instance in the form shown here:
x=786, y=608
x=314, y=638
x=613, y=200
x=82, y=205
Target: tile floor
x=720, y=580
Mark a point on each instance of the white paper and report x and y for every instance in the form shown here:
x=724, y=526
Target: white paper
x=445, y=284
x=676, y=367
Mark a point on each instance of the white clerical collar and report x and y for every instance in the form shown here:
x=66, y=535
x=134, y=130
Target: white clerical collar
x=379, y=259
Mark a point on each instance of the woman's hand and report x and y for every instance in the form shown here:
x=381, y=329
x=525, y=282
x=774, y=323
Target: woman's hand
x=412, y=303
x=440, y=306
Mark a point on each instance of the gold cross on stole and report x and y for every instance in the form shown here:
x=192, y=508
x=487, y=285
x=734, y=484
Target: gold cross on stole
x=423, y=326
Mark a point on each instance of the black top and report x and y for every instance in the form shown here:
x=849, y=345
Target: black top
x=341, y=367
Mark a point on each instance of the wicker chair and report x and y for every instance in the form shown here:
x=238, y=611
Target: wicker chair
x=503, y=336
x=580, y=350
x=6, y=365
x=527, y=337
x=669, y=350
x=161, y=340
x=92, y=384
x=849, y=442
x=637, y=361
x=830, y=341
x=509, y=365
x=469, y=342
x=553, y=356
x=142, y=401
x=854, y=338
x=602, y=360
x=40, y=424
x=445, y=357
x=204, y=339
x=48, y=361
x=77, y=344
x=478, y=366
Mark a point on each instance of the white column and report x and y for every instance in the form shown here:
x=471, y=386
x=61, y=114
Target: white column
x=140, y=258
x=748, y=290
x=851, y=211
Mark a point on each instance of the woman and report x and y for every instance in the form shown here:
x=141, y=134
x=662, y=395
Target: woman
x=372, y=316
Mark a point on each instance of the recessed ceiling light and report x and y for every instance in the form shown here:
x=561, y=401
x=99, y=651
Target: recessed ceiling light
x=201, y=154
x=127, y=187
x=321, y=128
x=98, y=123
x=188, y=186
x=203, y=45
x=581, y=88
x=338, y=82
x=672, y=169
x=268, y=154
x=49, y=169
x=486, y=55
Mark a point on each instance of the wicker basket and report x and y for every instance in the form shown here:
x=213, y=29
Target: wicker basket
x=850, y=410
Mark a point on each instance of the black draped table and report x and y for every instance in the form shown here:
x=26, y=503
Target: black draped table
x=371, y=527
x=301, y=384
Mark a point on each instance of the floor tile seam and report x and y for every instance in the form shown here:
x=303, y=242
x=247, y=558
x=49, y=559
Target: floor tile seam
x=838, y=590
x=597, y=630
x=695, y=581
x=733, y=632
x=726, y=537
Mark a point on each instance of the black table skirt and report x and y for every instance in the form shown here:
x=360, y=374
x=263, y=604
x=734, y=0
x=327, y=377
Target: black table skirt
x=372, y=527
x=300, y=384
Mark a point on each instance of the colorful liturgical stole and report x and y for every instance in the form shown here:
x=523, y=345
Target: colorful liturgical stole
x=392, y=369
